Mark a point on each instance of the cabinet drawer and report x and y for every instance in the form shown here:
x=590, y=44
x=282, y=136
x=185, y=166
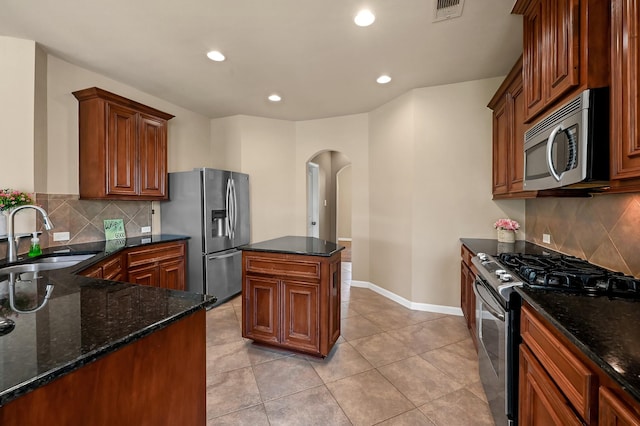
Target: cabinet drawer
x=570, y=374
x=112, y=268
x=285, y=268
x=155, y=253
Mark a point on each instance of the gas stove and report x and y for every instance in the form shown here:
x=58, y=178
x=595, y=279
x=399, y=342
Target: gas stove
x=569, y=274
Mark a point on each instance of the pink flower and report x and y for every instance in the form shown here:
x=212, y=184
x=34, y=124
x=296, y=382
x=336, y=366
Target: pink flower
x=508, y=224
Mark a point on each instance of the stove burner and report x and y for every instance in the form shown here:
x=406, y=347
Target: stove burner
x=570, y=274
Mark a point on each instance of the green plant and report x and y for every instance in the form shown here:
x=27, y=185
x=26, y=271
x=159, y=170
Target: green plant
x=10, y=199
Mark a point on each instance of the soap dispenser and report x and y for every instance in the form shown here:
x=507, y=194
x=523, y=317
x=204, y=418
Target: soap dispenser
x=35, y=249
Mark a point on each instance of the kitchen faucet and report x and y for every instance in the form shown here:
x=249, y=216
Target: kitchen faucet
x=12, y=250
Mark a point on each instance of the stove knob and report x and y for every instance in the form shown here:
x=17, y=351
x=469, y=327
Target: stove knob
x=505, y=277
x=483, y=256
x=500, y=272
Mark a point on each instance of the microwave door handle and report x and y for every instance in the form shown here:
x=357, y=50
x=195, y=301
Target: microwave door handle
x=552, y=136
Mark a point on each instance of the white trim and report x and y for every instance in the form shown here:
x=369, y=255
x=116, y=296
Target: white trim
x=344, y=239
x=441, y=309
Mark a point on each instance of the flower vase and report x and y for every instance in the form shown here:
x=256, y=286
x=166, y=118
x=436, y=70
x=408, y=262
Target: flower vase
x=3, y=223
x=506, y=236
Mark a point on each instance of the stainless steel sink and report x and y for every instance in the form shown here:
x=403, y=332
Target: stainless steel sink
x=46, y=264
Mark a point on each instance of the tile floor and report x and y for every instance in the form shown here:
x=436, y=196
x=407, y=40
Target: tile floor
x=391, y=366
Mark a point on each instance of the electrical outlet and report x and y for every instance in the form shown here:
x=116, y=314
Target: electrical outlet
x=145, y=229
x=546, y=238
x=60, y=236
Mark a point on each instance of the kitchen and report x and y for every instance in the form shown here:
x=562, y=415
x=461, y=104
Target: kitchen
x=391, y=146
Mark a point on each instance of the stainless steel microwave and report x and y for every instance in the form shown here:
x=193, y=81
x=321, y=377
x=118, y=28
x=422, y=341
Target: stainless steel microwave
x=569, y=147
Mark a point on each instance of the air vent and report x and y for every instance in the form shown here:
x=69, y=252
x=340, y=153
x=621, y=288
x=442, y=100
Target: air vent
x=447, y=9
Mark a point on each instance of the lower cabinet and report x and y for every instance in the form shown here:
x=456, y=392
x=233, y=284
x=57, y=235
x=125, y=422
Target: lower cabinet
x=467, y=296
x=291, y=301
x=160, y=265
x=614, y=411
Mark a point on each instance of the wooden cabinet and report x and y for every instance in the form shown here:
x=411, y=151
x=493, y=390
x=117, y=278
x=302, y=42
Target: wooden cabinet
x=291, y=301
x=614, y=411
x=123, y=148
x=564, y=50
x=625, y=96
x=160, y=265
x=467, y=296
x=508, y=137
x=111, y=268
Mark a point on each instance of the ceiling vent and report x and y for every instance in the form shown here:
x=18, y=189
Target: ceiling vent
x=447, y=9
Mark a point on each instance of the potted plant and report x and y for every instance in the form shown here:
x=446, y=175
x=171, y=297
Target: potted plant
x=506, y=230
x=9, y=199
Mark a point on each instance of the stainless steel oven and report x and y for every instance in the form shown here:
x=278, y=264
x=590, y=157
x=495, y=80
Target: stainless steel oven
x=497, y=322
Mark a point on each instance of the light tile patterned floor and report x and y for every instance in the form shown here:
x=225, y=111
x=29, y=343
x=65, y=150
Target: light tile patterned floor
x=392, y=366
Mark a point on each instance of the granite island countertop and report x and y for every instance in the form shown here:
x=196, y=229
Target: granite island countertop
x=603, y=328
x=309, y=246
x=84, y=319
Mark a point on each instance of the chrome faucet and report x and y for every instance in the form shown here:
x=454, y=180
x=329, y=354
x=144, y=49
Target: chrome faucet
x=12, y=251
x=13, y=279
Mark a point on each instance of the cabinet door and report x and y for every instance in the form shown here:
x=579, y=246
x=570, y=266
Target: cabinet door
x=145, y=275
x=121, y=152
x=94, y=271
x=172, y=274
x=516, y=145
x=112, y=269
x=614, y=411
x=261, y=304
x=464, y=295
x=561, y=24
x=625, y=97
x=300, y=315
x=532, y=58
x=335, y=307
x=540, y=401
x=501, y=138
x=153, y=156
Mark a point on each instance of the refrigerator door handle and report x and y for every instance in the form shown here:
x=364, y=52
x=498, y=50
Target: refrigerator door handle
x=235, y=206
x=228, y=207
x=224, y=256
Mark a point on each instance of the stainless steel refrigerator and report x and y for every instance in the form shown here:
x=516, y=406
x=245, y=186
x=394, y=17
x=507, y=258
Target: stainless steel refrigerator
x=212, y=207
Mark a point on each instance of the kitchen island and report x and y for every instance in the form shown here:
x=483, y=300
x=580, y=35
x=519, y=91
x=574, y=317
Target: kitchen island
x=99, y=351
x=291, y=293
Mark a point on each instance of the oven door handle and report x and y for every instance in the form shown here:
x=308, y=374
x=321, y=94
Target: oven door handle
x=487, y=305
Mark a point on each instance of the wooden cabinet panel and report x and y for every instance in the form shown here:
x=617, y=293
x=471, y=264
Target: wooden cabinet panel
x=172, y=274
x=113, y=268
x=123, y=147
x=300, y=315
x=532, y=58
x=564, y=32
x=335, y=305
x=625, y=96
x=541, y=403
x=614, y=411
x=467, y=296
x=145, y=275
x=262, y=306
x=575, y=379
x=501, y=136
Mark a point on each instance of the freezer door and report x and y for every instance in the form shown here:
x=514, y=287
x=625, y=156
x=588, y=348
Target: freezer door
x=216, y=187
x=241, y=212
x=224, y=274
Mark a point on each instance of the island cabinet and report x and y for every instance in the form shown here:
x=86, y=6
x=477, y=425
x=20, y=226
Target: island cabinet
x=111, y=268
x=560, y=385
x=467, y=296
x=123, y=148
x=291, y=300
x=625, y=96
x=565, y=50
x=508, y=137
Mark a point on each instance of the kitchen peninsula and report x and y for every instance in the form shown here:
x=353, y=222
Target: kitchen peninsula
x=102, y=352
x=291, y=293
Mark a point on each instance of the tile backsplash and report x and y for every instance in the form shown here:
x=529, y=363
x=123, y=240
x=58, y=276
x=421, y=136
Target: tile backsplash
x=604, y=229
x=83, y=219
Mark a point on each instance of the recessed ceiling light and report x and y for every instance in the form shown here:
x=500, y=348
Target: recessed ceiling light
x=214, y=55
x=364, y=18
x=383, y=79
x=274, y=98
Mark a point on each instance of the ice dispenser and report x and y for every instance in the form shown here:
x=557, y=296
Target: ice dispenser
x=219, y=219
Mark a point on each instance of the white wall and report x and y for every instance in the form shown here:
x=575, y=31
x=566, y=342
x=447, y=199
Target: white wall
x=431, y=155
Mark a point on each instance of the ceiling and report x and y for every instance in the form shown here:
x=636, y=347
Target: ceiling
x=309, y=52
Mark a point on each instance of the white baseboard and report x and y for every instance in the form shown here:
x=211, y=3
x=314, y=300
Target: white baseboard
x=441, y=309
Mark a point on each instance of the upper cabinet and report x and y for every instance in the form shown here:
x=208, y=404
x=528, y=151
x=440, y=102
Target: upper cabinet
x=508, y=137
x=565, y=50
x=123, y=148
x=625, y=97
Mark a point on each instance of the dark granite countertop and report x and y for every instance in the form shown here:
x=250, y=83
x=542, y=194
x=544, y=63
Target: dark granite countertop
x=605, y=329
x=84, y=319
x=493, y=247
x=296, y=245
